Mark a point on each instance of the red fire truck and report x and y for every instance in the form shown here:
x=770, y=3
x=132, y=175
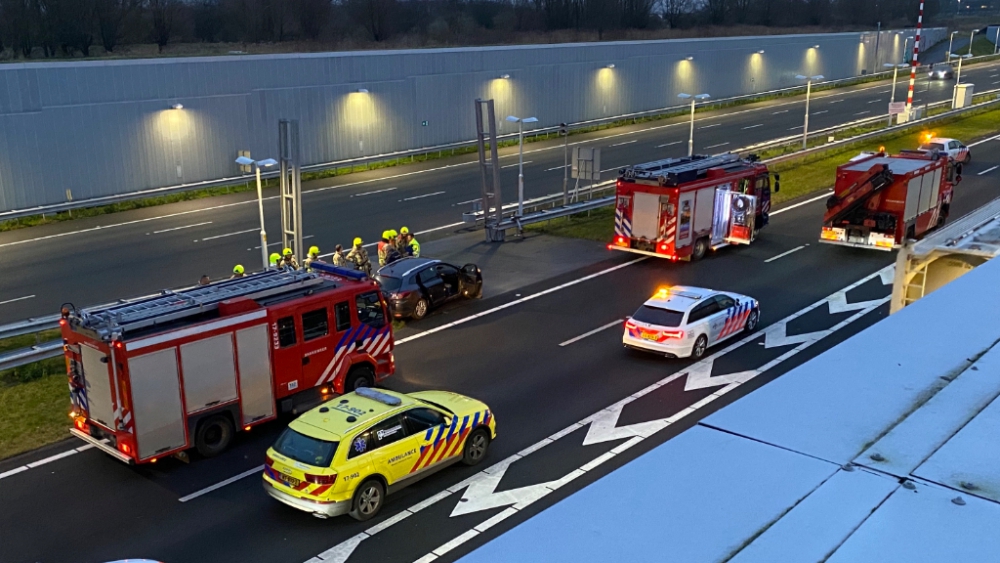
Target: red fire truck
x=680, y=208
x=156, y=376
x=880, y=200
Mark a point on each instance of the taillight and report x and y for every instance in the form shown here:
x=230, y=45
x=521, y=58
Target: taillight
x=268, y=460
x=125, y=449
x=663, y=247
x=672, y=333
x=401, y=295
x=630, y=324
x=321, y=479
x=621, y=241
x=81, y=424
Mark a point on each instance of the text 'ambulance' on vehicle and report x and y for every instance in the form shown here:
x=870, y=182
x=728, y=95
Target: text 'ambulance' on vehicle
x=156, y=376
x=680, y=208
x=683, y=321
x=344, y=457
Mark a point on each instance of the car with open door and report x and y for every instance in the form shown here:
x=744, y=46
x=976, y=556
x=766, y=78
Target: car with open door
x=414, y=286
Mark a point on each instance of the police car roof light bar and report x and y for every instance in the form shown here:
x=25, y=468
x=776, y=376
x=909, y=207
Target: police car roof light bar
x=337, y=271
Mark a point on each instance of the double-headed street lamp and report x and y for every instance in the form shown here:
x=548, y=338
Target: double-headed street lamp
x=694, y=100
x=520, y=158
x=258, y=164
x=809, y=81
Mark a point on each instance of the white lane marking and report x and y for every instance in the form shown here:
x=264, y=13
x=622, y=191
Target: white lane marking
x=786, y=253
x=469, y=201
x=231, y=234
x=779, y=112
x=874, y=101
x=373, y=192
x=707, y=126
x=624, y=143
x=986, y=140
x=863, y=112
x=994, y=75
x=557, y=168
x=49, y=459
x=995, y=83
x=820, y=112
x=987, y=171
x=836, y=101
x=716, y=146
x=801, y=203
x=220, y=484
x=669, y=144
x=432, y=194
x=515, y=165
x=753, y=126
x=480, y=489
x=17, y=299
x=794, y=128
x=518, y=301
x=278, y=243
x=425, y=231
x=179, y=228
x=592, y=332
x=884, y=92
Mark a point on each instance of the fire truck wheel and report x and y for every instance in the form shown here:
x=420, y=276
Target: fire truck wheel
x=475, y=447
x=752, y=321
x=358, y=377
x=368, y=500
x=420, y=309
x=700, y=345
x=699, y=250
x=213, y=435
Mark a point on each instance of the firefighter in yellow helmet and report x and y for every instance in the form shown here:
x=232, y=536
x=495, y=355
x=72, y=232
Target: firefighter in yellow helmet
x=408, y=245
x=274, y=259
x=313, y=255
x=383, y=248
x=237, y=271
x=288, y=259
x=359, y=256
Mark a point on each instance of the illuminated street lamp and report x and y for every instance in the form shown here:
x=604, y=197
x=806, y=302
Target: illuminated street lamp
x=906, y=42
x=809, y=80
x=258, y=164
x=694, y=100
x=520, y=158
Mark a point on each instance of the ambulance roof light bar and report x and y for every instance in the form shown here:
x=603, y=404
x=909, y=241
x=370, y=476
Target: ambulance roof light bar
x=171, y=305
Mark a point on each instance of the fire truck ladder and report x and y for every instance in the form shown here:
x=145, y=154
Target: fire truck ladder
x=172, y=305
x=677, y=170
x=878, y=178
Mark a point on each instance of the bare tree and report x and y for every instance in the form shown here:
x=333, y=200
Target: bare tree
x=635, y=13
x=741, y=10
x=673, y=11
x=164, y=17
x=111, y=18
x=312, y=16
x=373, y=14
x=19, y=20
x=717, y=10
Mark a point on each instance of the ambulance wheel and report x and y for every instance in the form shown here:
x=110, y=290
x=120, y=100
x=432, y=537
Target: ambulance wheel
x=475, y=447
x=420, y=309
x=213, y=436
x=700, y=345
x=368, y=500
x=700, y=249
x=358, y=377
x=752, y=321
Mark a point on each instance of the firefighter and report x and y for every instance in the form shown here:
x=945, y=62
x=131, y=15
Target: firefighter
x=338, y=257
x=274, y=259
x=288, y=259
x=237, y=271
x=313, y=255
x=204, y=280
x=383, y=248
x=391, y=253
x=410, y=246
x=359, y=256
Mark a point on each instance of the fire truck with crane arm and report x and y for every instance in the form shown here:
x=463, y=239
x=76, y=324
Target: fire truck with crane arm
x=189, y=368
x=880, y=200
x=680, y=208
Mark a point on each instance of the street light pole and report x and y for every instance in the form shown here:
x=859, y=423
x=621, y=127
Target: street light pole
x=564, y=129
x=694, y=100
x=805, y=125
x=951, y=38
x=895, y=73
x=971, y=37
x=258, y=164
x=520, y=159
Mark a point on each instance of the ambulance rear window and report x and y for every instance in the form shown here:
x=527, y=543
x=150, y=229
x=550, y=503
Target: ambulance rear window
x=304, y=449
x=658, y=316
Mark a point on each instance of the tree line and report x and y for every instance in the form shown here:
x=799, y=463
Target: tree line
x=73, y=28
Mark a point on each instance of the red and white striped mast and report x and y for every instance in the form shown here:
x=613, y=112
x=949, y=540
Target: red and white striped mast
x=913, y=62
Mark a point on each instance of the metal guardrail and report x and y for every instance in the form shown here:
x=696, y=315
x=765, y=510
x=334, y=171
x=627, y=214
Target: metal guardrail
x=25, y=356
x=233, y=180
x=29, y=326
x=553, y=213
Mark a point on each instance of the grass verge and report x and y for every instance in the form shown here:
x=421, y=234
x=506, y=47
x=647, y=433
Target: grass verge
x=33, y=414
x=799, y=177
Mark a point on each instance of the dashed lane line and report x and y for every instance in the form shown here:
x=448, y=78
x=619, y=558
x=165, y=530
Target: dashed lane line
x=616, y=322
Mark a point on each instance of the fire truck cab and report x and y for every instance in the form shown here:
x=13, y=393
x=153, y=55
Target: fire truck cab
x=680, y=208
x=188, y=369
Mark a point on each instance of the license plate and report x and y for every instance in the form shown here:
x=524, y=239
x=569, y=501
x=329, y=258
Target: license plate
x=648, y=336
x=290, y=481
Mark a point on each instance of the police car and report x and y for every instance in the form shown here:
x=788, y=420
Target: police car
x=955, y=149
x=682, y=321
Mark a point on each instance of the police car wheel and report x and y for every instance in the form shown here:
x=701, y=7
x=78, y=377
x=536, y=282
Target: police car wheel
x=213, y=436
x=368, y=499
x=968, y=158
x=361, y=376
x=752, y=321
x=700, y=345
x=475, y=447
x=420, y=309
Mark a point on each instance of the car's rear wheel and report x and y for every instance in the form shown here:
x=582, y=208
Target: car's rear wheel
x=699, y=348
x=420, y=309
x=752, y=321
x=476, y=446
x=368, y=500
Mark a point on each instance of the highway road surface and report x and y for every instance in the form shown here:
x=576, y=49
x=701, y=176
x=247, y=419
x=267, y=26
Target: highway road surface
x=101, y=259
x=570, y=404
